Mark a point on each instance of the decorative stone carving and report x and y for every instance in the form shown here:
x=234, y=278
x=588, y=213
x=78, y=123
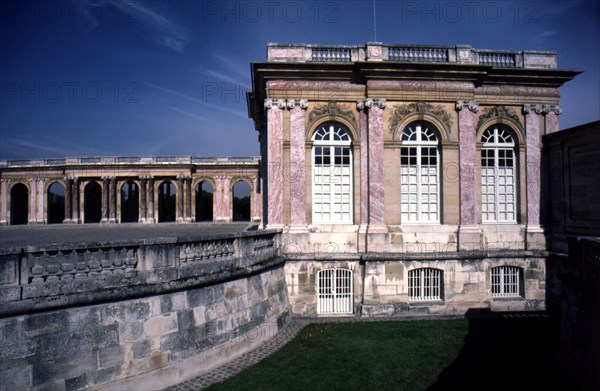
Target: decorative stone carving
x=528, y=108
x=330, y=109
x=400, y=112
x=302, y=103
x=498, y=112
x=556, y=109
x=280, y=103
x=195, y=252
x=471, y=105
x=368, y=103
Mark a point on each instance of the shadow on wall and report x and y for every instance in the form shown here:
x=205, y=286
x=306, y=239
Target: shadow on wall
x=507, y=351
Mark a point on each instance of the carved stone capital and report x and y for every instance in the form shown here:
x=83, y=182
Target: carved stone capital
x=369, y=102
x=471, y=105
x=302, y=103
x=556, y=109
x=280, y=103
x=530, y=109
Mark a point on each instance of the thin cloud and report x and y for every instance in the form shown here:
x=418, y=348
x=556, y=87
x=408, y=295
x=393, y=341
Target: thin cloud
x=234, y=66
x=47, y=148
x=162, y=29
x=222, y=76
x=192, y=115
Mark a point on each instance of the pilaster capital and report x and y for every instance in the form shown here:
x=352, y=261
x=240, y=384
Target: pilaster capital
x=369, y=102
x=302, y=103
x=556, y=109
x=531, y=109
x=471, y=105
x=4, y=180
x=279, y=103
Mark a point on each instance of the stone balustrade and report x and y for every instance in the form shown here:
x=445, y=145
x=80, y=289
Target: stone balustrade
x=377, y=51
x=35, y=278
x=128, y=160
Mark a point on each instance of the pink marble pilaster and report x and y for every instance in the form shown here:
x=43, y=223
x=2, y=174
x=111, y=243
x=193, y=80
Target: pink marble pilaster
x=75, y=200
x=533, y=159
x=40, y=201
x=32, y=200
x=551, y=118
x=297, y=176
x=179, y=206
x=218, y=199
x=188, y=199
x=364, y=171
x=142, y=208
x=227, y=208
x=68, y=201
x=112, y=208
x=150, y=193
x=274, y=162
x=105, y=198
x=3, y=200
x=255, y=200
x=376, y=153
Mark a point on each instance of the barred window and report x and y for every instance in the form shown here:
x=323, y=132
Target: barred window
x=506, y=281
x=498, y=176
x=332, y=174
x=419, y=182
x=425, y=284
x=335, y=291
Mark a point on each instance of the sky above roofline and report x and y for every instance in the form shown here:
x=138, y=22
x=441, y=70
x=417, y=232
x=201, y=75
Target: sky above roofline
x=132, y=77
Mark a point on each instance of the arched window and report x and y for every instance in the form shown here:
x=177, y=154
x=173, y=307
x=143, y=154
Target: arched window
x=92, y=202
x=420, y=167
x=56, y=203
x=19, y=204
x=166, y=202
x=335, y=291
x=204, y=201
x=129, y=202
x=332, y=193
x=498, y=176
x=241, y=201
x=507, y=281
x=425, y=284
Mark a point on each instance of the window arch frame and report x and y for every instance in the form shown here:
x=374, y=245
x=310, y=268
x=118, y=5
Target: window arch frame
x=496, y=148
x=339, y=169
x=407, y=170
x=508, y=280
x=429, y=279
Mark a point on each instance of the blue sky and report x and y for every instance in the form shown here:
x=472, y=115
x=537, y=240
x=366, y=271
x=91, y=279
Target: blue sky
x=133, y=77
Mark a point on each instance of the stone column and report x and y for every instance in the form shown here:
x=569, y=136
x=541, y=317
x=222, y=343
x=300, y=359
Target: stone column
x=179, y=206
x=255, y=200
x=227, y=200
x=552, y=113
x=297, y=175
x=112, y=208
x=142, y=208
x=150, y=210
x=3, y=201
x=41, y=216
x=218, y=200
x=105, y=198
x=188, y=199
x=32, y=219
x=274, y=190
x=75, y=199
x=68, y=200
x=535, y=234
x=469, y=233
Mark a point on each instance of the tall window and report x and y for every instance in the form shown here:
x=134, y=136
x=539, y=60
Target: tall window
x=425, y=284
x=419, y=160
x=335, y=291
x=332, y=174
x=498, y=174
x=506, y=281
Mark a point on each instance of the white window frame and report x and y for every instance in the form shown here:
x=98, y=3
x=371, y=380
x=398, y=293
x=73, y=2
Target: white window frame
x=411, y=202
x=335, y=291
x=506, y=281
x=496, y=177
x=425, y=284
x=334, y=176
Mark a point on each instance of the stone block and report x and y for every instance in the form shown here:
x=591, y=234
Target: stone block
x=199, y=315
x=15, y=378
x=110, y=356
x=76, y=383
x=160, y=325
x=155, y=361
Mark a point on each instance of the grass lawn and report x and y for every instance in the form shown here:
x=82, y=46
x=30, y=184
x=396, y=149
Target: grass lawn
x=404, y=355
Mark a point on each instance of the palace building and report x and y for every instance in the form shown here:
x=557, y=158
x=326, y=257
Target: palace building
x=406, y=178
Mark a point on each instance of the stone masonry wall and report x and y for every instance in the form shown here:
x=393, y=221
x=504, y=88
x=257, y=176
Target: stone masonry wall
x=145, y=343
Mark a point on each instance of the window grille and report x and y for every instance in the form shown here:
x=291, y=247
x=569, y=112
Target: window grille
x=425, y=284
x=506, y=281
x=335, y=291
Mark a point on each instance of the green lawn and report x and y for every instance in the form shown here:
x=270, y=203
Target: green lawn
x=403, y=355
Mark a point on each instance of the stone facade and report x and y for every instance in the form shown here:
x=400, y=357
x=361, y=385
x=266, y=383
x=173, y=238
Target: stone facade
x=375, y=93
x=113, y=174
x=137, y=315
